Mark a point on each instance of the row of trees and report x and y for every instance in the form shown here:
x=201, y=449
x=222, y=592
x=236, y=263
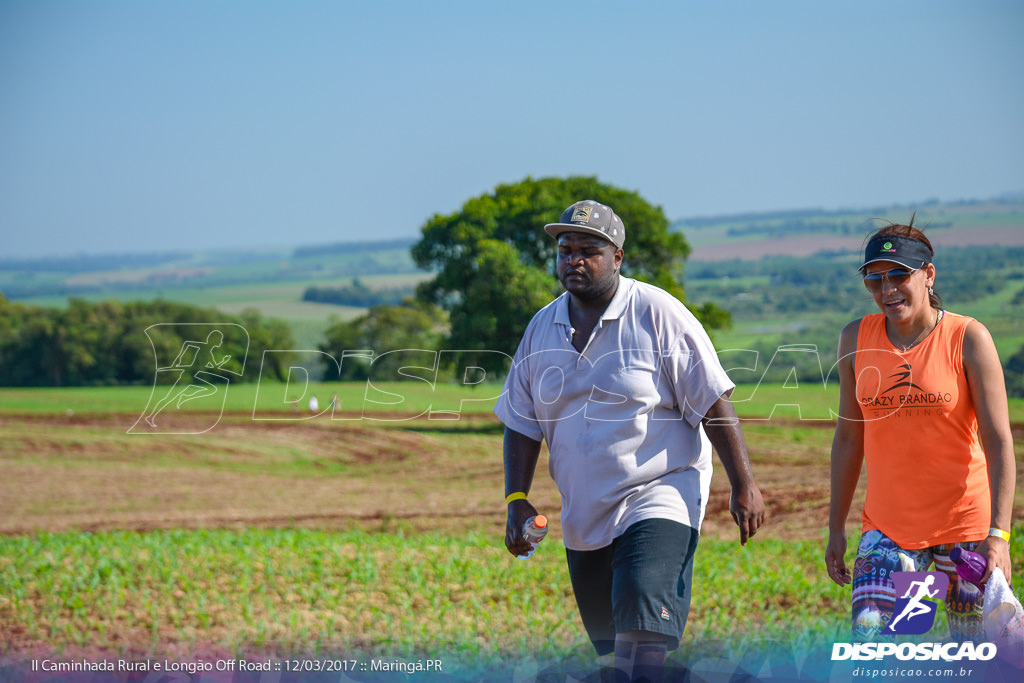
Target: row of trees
x=383, y=330
x=110, y=342
x=356, y=294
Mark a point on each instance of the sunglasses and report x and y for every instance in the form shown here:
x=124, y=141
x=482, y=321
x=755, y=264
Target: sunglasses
x=896, y=276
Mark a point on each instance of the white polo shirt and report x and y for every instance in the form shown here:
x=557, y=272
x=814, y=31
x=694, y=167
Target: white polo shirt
x=622, y=418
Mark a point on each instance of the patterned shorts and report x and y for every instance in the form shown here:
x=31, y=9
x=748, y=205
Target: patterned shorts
x=874, y=594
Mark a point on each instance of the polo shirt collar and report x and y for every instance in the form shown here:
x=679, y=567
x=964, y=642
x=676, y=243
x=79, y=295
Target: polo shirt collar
x=616, y=307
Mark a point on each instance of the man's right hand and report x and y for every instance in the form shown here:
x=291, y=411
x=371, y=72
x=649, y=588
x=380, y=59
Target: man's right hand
x=518, y=512
x=747, y=509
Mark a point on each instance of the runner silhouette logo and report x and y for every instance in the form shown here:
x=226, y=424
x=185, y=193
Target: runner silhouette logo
x=918, y=594
x=195, y=365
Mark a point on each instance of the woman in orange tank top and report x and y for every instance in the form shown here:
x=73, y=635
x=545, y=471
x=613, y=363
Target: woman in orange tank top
x=923, y=404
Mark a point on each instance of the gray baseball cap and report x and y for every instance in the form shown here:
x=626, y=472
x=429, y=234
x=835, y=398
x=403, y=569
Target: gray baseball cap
x=590, y=217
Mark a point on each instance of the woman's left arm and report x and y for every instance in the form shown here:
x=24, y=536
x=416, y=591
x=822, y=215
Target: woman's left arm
x=985, y=379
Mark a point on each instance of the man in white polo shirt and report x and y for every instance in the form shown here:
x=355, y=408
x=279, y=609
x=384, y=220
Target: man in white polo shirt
x=618, y=378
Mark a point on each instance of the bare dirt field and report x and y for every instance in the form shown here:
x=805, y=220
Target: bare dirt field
x=86, y=473
x=779, y=246
x=805, y=245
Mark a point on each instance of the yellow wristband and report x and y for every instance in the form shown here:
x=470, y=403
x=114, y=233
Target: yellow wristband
x=1005, y=535
x=518, y=495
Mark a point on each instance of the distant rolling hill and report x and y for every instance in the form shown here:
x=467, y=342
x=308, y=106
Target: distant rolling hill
x=800, y=233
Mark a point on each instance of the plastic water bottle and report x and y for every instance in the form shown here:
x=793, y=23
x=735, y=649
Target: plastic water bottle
x=970, y=566
x=534, y=531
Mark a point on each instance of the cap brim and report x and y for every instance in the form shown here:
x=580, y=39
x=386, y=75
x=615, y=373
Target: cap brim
x=909, y=263
x=556, y=229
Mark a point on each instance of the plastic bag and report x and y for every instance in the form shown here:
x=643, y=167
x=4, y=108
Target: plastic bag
x=1003, y=619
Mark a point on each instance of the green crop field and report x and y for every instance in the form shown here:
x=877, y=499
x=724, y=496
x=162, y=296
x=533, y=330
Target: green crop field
x=462, y=598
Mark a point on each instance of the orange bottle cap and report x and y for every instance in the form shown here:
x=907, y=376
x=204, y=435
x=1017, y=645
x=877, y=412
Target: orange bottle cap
x=540, y=521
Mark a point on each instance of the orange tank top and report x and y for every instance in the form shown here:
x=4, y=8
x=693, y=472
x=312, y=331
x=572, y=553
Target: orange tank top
x=927, y=483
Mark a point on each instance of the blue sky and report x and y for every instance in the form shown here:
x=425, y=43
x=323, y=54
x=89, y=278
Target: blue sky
x=137, y=126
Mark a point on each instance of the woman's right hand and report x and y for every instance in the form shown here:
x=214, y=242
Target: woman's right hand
x=835, y=559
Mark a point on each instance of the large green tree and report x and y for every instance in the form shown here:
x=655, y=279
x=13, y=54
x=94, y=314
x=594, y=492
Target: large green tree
x=494, y=262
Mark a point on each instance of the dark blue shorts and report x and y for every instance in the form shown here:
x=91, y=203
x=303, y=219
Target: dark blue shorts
x=641, y=582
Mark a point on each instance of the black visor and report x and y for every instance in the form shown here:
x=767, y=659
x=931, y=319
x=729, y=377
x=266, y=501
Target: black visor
x=898, y=249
